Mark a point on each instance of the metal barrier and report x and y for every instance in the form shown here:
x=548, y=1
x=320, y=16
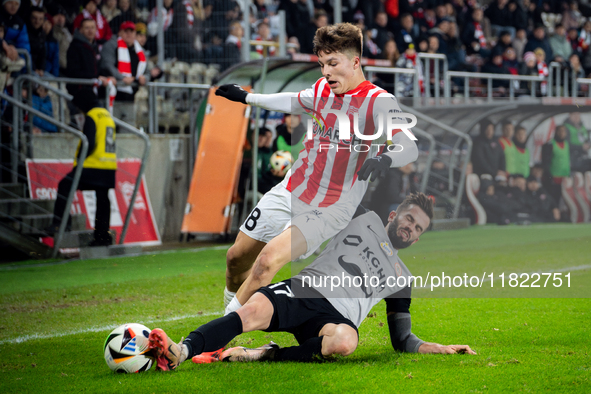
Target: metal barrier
x=62, y=94
x=583, y=81
x=426, y=60
x=489, y=82
x=28, y=61
x=82, y=155
x=372, y=70
x=454, y=154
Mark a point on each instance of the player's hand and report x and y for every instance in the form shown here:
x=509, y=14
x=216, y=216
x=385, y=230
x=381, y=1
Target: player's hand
x=232, y=92
x=377, y=166
x=459, y=349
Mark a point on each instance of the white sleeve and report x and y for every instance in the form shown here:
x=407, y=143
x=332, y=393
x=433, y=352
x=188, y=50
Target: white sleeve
x=280, y=102
x=403, y=149
x=290, y=103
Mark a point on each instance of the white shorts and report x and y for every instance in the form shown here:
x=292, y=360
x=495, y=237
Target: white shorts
x=277, y=211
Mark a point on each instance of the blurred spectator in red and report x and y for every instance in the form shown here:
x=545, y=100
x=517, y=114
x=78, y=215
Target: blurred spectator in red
x=542, y=69
x=428, y=21
x=37, y=39
x=560, y=45
x=474, y=35
x=487, y=154
x=264, y=34
x=90, y=10
x=575, y=42
x=510, y=61
x=409, y=59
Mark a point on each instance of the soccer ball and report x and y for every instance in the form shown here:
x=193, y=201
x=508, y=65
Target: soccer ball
x=281, y=160
x=126, y=349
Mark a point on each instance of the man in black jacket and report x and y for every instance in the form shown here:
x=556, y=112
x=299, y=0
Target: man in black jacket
x=487, y=153
x=37, y=38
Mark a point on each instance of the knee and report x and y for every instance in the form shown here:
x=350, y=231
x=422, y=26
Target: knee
x=252, y=316
x=233, y=258
x=344, y=342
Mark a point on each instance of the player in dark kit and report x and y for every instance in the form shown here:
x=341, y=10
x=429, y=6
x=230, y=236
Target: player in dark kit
x=324, y=318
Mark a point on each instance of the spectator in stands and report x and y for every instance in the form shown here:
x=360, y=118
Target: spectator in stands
x=538, y=40
x=90, y=10
x=510, y=61
x=495, y=204
x=407, y=34
x=500, y=14
x=290, y=135
x=15, y=30
x=37, y=39
x=62, y=35
x=82, y=56
x=141, y=31
x=379, y=30
x=126, y=14
x=123, y=57
x=559, y=43
x=576, y=69
x=110, y=10
x=473, y=35
x=409, y=59
x=441, y=32
x=487, y=154
x=516, y=197
x=507, y=132
x=542, y=68
x=517, y=155
x=456, y=55
x=534, y=14
x=370, y=8
x=585, y=36
x=571, y=17
x=231, y=50
x=529, y=67
x=297, y=15
x=264, y=34
x=52, y=50
x=99, y=167
x=392, y=189
x=579, y=142
x=428, y=21
x=519, y=43
x=496, y=66
x=556, y=162
x=574, y=42
x=306, y=35
x=267, y=176
x=542, y=206
x=9, y=60
x=42, y=102
x=505, y=41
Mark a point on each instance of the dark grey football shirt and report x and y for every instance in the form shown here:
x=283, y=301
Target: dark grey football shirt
x=357, y=269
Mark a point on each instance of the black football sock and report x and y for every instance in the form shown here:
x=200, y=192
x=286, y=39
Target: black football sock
x=214, y=335
x=311, y=350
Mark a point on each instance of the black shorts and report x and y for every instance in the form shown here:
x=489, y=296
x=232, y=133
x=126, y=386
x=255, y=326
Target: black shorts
x=302, y=317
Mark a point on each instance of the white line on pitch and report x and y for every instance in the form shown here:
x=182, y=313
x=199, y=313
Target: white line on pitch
x=26, y=338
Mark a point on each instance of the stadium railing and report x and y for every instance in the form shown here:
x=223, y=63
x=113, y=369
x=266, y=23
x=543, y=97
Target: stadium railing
x=586, y=82
x=16, y=152
x=63, y=95
x=440, y=67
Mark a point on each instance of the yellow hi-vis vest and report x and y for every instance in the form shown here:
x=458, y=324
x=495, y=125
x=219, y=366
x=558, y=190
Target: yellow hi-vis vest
x=103, y=156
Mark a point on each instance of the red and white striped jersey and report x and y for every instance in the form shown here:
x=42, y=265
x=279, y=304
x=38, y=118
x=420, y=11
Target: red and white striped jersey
x=325, y=172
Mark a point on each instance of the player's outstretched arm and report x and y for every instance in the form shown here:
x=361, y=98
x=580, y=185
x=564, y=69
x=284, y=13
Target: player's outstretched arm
x=281, y=102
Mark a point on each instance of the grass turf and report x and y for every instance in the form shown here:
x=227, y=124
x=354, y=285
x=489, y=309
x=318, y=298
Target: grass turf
x=54, y=319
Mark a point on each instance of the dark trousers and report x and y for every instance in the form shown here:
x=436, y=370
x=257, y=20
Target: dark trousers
x=103, y=207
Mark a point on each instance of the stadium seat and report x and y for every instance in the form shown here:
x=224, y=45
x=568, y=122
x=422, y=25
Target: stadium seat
x=472, y=188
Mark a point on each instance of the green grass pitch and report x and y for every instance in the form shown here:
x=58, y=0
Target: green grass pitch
x=55, y=317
